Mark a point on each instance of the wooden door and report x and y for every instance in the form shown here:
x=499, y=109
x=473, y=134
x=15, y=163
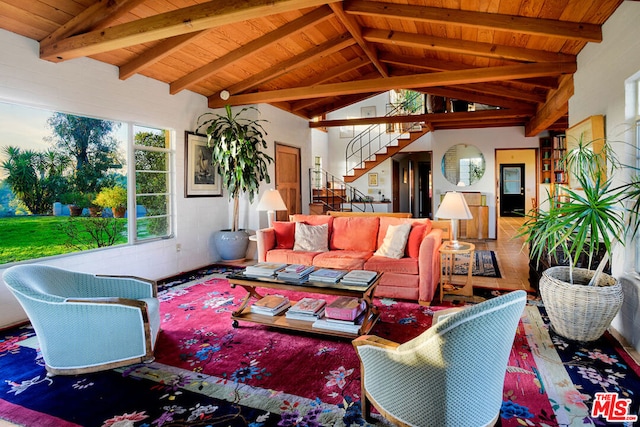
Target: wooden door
x=288, y=180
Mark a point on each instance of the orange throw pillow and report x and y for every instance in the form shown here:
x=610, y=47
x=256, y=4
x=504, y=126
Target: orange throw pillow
x=415, y=238
x=285, y=234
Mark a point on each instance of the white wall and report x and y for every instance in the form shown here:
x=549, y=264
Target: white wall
x=87, y=87
x=487, y=140
x=599, y=83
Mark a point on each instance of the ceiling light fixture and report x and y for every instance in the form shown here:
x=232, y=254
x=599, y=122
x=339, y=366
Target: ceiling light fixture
x=224, y=94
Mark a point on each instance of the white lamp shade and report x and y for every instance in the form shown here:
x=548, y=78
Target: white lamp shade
x=271, y=201
x=454, y=206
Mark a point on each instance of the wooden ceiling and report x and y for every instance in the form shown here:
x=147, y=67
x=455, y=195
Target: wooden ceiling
x=311, y=57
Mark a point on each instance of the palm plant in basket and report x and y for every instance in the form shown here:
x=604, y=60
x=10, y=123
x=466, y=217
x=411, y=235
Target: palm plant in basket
x=583, y=222
x=236, y=144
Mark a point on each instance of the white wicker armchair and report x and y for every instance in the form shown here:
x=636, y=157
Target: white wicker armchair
x=450, y=375
x=84, y=322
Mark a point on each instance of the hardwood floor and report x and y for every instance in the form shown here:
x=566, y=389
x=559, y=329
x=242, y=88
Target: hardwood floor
x=513, y=259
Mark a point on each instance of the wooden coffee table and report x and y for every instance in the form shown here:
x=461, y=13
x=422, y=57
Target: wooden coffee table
x=280, y=321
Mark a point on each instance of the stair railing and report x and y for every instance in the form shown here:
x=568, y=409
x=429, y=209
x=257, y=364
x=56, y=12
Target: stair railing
x=335, y=194
x=375, y=138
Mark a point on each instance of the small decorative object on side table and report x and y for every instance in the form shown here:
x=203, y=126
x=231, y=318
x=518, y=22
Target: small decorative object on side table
x=448, y=255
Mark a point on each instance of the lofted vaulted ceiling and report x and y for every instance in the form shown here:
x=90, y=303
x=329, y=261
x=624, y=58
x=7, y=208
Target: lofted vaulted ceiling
x=312, y=57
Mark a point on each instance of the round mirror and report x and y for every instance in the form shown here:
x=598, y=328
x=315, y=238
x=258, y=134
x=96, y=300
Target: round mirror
x=463, y=163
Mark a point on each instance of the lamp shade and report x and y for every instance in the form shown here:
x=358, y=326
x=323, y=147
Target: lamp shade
x=271, y=201
x=454, y=206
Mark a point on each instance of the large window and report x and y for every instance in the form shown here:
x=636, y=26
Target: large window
x=70, y=183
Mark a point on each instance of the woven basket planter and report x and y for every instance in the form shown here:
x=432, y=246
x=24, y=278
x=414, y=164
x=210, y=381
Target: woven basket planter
x=579, y=312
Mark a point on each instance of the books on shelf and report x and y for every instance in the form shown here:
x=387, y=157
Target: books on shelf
x=358, y=277
x=345, y=308
x=263, y=269
x=271, y=305
x=309, y=309
x=295, y=274
x=327, y=275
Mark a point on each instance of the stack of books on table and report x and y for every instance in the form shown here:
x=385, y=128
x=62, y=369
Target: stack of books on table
x=358, y=277
x=309, y=309
x=295, y=273
x=263, y=269
x=328, y=275
x=345, y=314
x=271, y=305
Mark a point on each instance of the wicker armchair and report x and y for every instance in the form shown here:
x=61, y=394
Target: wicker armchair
x=450, y=375
x=86, y=323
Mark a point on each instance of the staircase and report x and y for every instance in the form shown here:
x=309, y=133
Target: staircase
x=377, y=143
x=334, y=194
x=384, y=153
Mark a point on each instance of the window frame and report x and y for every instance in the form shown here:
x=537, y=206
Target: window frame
x=169, y=149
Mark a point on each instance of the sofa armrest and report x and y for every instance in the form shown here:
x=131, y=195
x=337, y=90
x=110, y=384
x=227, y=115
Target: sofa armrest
x=429, y=265
x=266, y=240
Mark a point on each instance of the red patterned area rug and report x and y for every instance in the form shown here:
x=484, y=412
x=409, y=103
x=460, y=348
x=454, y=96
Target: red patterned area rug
x=271, y=377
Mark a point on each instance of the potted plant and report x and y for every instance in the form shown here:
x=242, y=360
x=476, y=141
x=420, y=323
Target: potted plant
x=236, y=144
x=76, y=201
x=581, y=222
x=113, y=197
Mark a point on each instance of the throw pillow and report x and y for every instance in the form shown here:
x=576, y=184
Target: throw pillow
x=285, y=234
x=311, y=238
x=394, y=241
x=415, y=239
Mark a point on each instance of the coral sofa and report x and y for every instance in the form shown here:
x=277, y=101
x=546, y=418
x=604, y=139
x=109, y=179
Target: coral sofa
x=352, y=243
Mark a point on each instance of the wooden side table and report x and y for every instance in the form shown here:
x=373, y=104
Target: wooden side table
x=448, y=262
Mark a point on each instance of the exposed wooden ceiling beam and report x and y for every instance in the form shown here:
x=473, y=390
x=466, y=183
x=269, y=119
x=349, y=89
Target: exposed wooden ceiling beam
x=341, y=102
x=557, y=105
x=454, y=92
x=431, y=118
x=251, y=48
x=488, y=50
x=181, y=21
x=320, y=51
x=493, y=21
x=499, y=89
x=95, y=17
x=356, y=32
x=157, y=53
x=407, y=82
x=432, y=64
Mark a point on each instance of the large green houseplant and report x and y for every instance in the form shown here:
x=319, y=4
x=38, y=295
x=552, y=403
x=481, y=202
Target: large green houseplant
x=583, y=221
x=237, y=146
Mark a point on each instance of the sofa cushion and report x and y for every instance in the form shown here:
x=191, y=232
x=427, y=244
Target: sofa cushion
x=418, y=231
x=311, y=238
x=285, y=234
x=355, y=233
x=314, y=220
x=386, y=221
x=289, y=256
x=390, y=265
x=395, y=241
x=344, y=260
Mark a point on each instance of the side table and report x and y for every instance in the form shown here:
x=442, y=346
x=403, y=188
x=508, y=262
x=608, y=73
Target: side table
x=448, y=255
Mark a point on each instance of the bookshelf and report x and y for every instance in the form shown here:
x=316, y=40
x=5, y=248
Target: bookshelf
x=553, y=149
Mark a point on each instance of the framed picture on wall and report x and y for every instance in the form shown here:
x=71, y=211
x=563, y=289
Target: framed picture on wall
x=201, y=178
x=373, y=180
x=368, y=111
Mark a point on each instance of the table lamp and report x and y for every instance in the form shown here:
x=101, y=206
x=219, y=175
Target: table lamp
x=271, y=202
x=454, y=207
